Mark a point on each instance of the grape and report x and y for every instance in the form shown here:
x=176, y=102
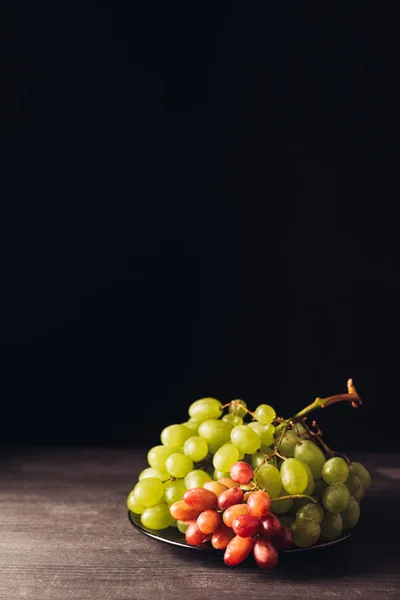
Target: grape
x=195, y=537
x=183, y=525
x=310, y=485
x=283, y=541
x=245, y=438
x=234, y=511
x=182, y=512
x=286, y=520
x=351, y=514
x=157, y=457
x=204, y=409
x=192, y=424
x=157, y=517
x=331, y=526
x=228, y=482
x=238, y=407
x=200, y=499
x=353, y=483
x=225, y=457
x=208, y=521
x=237, y=550
x=335, y=470
x=178, y=465
x=196, y=479
x=215, y=433
x=359, y=494
x=259, y=503
x=241, y=472
x=269, y=479
x=313, y=456
x=148, y=492
x=265, y=432
x=288, y=443
x=215, y=486
x=319, y=488
x=312, y=511
x=232, y=419
x=245, y=525
x=195, y=448
x=281, y=507
x=174, y=436
x=133, y=506
x=258, y=459
x=336, y=498
x=150, y=472
x=264, y=414
x=358, y=469
x=265, y=554
x=294, y=476
x=230, y=497
x=218, y=475
x=174, y=490
x=221, y=537
x=305, y=532
x=269, y=526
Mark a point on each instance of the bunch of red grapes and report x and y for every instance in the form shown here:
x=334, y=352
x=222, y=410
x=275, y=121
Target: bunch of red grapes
x=233, y=520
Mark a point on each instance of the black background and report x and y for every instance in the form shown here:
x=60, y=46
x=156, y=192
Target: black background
x=197, y=200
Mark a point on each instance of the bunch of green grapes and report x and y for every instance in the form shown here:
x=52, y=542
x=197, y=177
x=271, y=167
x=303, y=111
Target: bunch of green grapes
x=312, y=491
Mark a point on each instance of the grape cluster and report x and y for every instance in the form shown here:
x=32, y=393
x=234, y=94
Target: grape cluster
x=247, y=486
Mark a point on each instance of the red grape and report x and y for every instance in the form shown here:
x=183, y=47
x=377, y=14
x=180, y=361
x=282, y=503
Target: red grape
x=241, y=472
x=182, y=512
x=215, y=486
x=283, y=541
x=234, y=511
x=228, y=482
x=208, y=521
x=265, y=554
x=200, y=498
x=269, y=526
x=230, y=497
x=222, y=536
x=237, y=550
x=259, y=503
x=195, y=537
x=245, y=525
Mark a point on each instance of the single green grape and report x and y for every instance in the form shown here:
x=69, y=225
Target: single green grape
x=174, y=490
x=220, y=474
x=265, y=432
x=195, y=448
x=335, y=470
x=225, y=457
x=205, y=408
x=358, y=469
x=245, y=438
x=269, y=479
x=182, y=526
x=157, y=517
x=310, y=485
x=312, y=511
x=288, y=443
x=280, y=508
x=294, y=476
x=174, y=436
x=150, y=472
x=192, y=424
x=353, y=483
x=148, y=492
x=336, y=497
x=238, y=407
x=258, y=459
x=134, y=506
x=178, y=465
x=215, y=432
x=351, y=514
x=331, y=526
x=265, y=414
x=305, y=532
x=312, y=455
x=157, y=457
x=232, y=419
x=196, y=479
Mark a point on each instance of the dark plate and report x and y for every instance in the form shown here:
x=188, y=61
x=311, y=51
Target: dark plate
x=172, y=535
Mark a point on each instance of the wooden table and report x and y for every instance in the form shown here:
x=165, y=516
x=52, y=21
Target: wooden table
x=64, y=533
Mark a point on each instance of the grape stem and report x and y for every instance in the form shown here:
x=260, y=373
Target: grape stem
x=294, y=497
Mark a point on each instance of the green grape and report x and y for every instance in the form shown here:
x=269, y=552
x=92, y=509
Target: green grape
x=157, y=457
x=174, y=490
x=335, y=470
x=215, y=432
x=313, y=456
x=257, y=459
x=294, y=476
x=150, y=472
x=238, y=407
x=205, y=409
x=245, y=438
x=336, y=497
x=269, y=479
x=148, y=492
x=220, y=474
x=310, y=485
x=195, y=448
x=196, y=479
x=305, y=532
x=319, y=488
x=331, y=526
x=178, y=465
x=265, y=414
x=286, y=520
x=182, y=526
x=353, y=483
x=288, y=443
x=312, y=511
x=279, y=508
x=358, y=469
x=265, y=432
x=225, y=457
x=232, y=419
x=192, y=424
x=174, y=436
x=359, y=494
x=134, y=506
x=157, y=517
x=351, y=514
x=299, y=429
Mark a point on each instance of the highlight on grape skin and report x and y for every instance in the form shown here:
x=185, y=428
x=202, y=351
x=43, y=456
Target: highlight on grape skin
x=250, y=482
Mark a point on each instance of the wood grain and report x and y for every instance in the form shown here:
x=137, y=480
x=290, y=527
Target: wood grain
x=64, y=534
